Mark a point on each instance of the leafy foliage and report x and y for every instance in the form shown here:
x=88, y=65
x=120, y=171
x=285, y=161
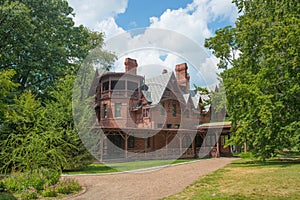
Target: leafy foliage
x=44, y=182
x=40, y=53
x=59, y=112
x=263, y=83
x=40, y=42
x=27, y=139
x=6, y=90
x=38, y=179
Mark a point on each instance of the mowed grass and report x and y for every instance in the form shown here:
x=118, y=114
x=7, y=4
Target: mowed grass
x=126, y=166
x=245, y=179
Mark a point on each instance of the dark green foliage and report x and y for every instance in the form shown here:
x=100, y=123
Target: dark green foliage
x=59, y=112
x=6, y=90
x=263, y=83
x=40, y=42
x=32, y=134
x=40, y=53
x=27, y=138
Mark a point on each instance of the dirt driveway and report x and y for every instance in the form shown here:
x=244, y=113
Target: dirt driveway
x=153, y=184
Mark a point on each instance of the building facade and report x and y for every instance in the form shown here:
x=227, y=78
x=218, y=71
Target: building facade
x=154, y=118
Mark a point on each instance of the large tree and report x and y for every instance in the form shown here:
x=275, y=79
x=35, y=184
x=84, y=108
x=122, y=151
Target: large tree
x=40, y=53
x=263, y=82
x=40, y=42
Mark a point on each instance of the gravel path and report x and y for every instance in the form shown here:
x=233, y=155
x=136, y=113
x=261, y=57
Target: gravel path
x=153, y=184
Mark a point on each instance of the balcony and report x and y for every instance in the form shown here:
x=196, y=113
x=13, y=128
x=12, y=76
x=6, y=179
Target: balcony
x=119, y=94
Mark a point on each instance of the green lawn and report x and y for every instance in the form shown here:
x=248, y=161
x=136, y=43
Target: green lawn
x=126, y=166
x=245, y=179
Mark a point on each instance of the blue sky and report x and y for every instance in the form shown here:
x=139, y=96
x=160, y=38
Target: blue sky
x=193, y=19
x=138, y=12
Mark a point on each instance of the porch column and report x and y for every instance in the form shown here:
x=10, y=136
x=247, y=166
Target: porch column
x=180, y=143
x=166, y=140
x=218, y=146
x=193, y=145
x=126, y=146
x=101, y=146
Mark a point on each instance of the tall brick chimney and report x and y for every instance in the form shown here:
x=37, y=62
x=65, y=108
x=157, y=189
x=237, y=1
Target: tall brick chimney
x=130, y=66
x=183, y=78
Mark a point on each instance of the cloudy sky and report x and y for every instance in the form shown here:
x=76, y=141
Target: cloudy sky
x=159, y=33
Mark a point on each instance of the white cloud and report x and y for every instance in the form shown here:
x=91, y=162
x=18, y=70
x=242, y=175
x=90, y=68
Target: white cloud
x=189, y=28
x=193, y=20
x=91, y=12
x=109, y=27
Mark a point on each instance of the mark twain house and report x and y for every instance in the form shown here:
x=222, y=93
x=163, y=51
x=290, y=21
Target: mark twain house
x=155, y=118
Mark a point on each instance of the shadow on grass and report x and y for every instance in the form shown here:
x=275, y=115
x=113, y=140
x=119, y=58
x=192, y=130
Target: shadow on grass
x=92, y=169
x=7, y=196
x=277, y=162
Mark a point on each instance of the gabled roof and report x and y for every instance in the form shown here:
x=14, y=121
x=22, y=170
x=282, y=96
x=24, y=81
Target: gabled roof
x=147, y=95
x=197, y=97
x=157, y=86
x=205, y=97
x=195, y=100
x=186, y=97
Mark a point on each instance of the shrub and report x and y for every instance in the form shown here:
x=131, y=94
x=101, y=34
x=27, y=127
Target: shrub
x=49, y=192
x=51, y=176
x=2, y=186
x=247, y=155
x=67, y=186
x=28, y=194
x=18, y=182
x=7, y=196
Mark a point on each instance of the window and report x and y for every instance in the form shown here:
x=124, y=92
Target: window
x=105, y=86
x=132, y=85
x=118, y=85
x=118, y=108
x=146, y=112
x=97, y=109
x=176, y=126
x=174, y=110
x=104, y=110
x=162, y=109
x=159, y=125
x=169, y=125
x=131, y=142
x=148, y=142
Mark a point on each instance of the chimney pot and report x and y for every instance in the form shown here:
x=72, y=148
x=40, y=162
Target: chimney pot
x=183, y=78
x=130, y=66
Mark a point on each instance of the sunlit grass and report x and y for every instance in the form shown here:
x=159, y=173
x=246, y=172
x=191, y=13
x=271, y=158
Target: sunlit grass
x=245, y=179
x=126, y=166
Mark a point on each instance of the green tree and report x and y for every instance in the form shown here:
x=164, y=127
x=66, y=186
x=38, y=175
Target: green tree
x=263, y=83
x=6, y=91
x=40, y=42
x=32, y=135
x=27, y=142
x=60, y=116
